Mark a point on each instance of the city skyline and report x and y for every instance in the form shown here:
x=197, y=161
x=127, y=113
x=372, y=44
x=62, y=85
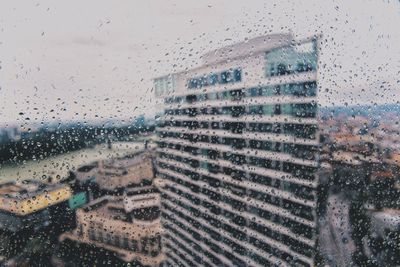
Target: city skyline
x=65, y=73
x=200, y=133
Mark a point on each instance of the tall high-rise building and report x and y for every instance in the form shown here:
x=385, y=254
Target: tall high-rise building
x=237, y=156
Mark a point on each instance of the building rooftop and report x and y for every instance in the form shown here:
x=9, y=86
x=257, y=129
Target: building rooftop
x=126, y=162
x=125, y=172
x=385, y=219
x=132, y=235
x=353, y=158
x=29, y=196
x=346, y=157
x=254, y=45
x=241, y=49
x=118, y=173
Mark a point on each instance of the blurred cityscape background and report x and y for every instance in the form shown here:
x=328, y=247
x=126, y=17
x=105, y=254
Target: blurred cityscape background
x=200, y=134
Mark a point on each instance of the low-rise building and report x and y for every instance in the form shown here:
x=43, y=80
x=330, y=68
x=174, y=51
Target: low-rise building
x=121, y=222
x=129, y=227
x=116, y=174
x=30, y=207
x=384, y=237
x=112, y=176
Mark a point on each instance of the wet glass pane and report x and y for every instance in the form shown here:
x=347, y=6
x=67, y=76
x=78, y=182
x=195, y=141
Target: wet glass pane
x=199, y=133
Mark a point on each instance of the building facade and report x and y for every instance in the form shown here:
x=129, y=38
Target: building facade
x=113, y=176
x=134, y=236
x=121, y=223
x=28, y=209
x=237, y=156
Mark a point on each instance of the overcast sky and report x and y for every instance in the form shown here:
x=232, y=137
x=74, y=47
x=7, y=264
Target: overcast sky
x=91, y=60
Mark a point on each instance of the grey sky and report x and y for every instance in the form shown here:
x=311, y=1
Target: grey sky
x=91, y=60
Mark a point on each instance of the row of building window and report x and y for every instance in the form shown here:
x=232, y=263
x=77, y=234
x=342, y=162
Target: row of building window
x=307, y=131
x=297, y=190
x=194, y=247
x=295, y=227
x=224, y=77
x=297, y=170
x=214, y=226
x=288, y=60
x=295, y=150
x=242, y=207
x=164, y=85
x=147, y=245
x=280, y=69
x=305, y=89
x=183, y=252
x=210, y=239
x=294, y=208
x=201, y=261
x=298, y=110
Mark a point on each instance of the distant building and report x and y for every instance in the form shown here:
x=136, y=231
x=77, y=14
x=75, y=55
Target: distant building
x=112, y=176
x=383, y=244
x=10, y=134
x=365, y=168
x=120, y=173
x=237, y=156
x=140, y=121
x=122, y=219
x=129, y=227
x=28, y=208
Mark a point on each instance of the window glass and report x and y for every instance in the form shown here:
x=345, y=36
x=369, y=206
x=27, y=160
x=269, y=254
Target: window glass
x=200, y=133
